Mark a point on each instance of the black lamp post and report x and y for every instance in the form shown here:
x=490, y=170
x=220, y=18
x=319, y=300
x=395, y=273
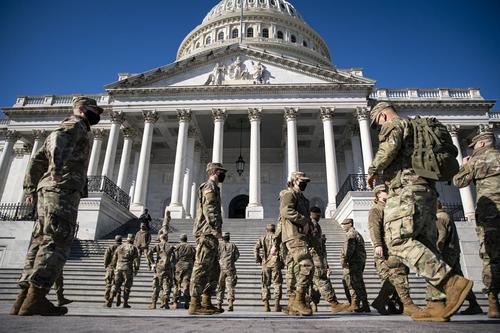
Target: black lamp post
x=240, y=163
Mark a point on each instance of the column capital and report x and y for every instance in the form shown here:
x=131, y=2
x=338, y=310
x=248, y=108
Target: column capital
x=150, y=116
x=129, y=133
x=453, y=129
x=326, y=113
x=39, y=134
x=291, y=113
x=484, y=128
x=254, y=114
x=117, y=117
x=219, y=114
x=98, y=133
x=362, y=113
x=184, y=115
x=10, y=135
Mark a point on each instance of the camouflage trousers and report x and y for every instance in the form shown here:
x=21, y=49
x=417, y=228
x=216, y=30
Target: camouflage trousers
x=125, y=278
x=291, y=273
x=353, y=280
x=163, y=281
x=183, y=271
x=206, y=267
x=271, y=274
x=227, y=279
x=109, y=278
x=299, y=251
x=410, y=231
x=394, y=276
x=52, y=237
x=59, y=287
x=321, y=286
x=489, y=252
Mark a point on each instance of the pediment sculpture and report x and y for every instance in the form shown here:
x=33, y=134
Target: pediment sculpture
x=238, y=73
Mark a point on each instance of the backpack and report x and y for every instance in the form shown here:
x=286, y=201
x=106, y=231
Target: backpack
x=434, y=154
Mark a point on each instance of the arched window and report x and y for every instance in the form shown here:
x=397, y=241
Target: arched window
x=304, y=43
x=250, y=32
x=235, y=33
x=208, y=40
x=265, y=33
x=293, y=39
x=220, y=36
x=280, y=34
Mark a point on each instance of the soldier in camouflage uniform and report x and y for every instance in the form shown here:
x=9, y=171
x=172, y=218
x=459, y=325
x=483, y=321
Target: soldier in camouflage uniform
x=271, y=264
x=207, y=230
x=126, y=263
x=165, y=227
x=143, y=239
x=483, y=168
x=57, y=177
x=185, y=254
x=109, y=276
x=228, y=255
x=163, y=265
x=448, y=245
x=321, y=282
x=392, y=272
x=353, y=259
x=410, y=213
x=294, y=216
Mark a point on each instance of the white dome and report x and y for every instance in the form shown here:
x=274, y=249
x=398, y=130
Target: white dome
x=274, y=25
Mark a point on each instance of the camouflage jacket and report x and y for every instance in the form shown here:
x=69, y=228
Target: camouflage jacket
x=142, y=239
x=66, y=152
x=354, y=248
x=315, y=240
x=165, y=256
x=268, y=243
x=126, y=258
x=447, y=241
x=208, y=219
x=376, y=225
x=484, y=170
x=294, y=214
x=185, y=253
x=108, y=255
x=228, y=255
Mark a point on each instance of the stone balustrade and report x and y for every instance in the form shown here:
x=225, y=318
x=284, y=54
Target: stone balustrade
x=424, y=94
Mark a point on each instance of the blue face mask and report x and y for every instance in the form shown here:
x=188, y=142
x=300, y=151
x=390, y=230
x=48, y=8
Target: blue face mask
x=92, y=117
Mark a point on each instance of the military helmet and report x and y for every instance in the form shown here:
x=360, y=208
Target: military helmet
x=348, y=221
x=488, y=135
x=184, y=237
x=381, y=106
x=379, y=188
x=118, y=239
x=226, y=235
x=131, y=237
x=217, y=166
x=301, y=176
x=87, y=102
x=271, y=227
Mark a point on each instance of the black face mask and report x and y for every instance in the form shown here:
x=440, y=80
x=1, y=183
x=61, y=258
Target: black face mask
x=302, y=186
x=221, y=176
x=92, y=117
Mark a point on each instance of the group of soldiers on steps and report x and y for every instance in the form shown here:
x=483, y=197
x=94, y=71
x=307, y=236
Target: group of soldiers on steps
x=408, y=229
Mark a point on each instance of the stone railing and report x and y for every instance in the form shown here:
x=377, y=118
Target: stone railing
x=17, y=212
x=65, y=100
x=494, y=115
x=354, y=182
x=102, y=184
x=456, y=211
x=424, y=94
x=4, y=122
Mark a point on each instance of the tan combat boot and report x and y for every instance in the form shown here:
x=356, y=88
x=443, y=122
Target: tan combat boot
x=152, y=306
x=432, y=312
x=336, y=307
x=456, y=289
x=493, y=306
x=19, y=301
x=277, y=306
x=409, y=308
x=300, y=305
x=290, y=308
x=37, y=304
x=230, y=306
x=195, y=307
x=206, y=303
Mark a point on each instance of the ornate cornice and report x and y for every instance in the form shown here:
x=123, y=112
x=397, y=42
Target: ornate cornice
x=98, y=133
x=117, y=117
x=326, y=113
x=129, y=133
x=150, y=116
x=363, y=113
x=39, y=134
x=10, y=135
x=184, y=115
x=254, y=114
x=219, y=114
x=453, y=129
x=484, y=128
x=291, y=113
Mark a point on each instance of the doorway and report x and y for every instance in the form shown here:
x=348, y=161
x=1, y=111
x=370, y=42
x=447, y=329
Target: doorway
x=237, y=207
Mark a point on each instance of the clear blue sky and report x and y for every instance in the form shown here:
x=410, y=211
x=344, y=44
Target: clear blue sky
x=73, y=46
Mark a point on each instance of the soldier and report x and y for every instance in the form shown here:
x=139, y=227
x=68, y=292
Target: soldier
x=448, y=245
x=392, y=272
x=321, y=281
x=143, y=239
x=126, y=265
x=185, y=254
x=353, y=261
x=410, y=212
x=228, y=255
x=145, y=218
x=109, y=276
x=163, y=266
x=165, y=227
x=294, y=216
x=57, y=177
x=207, y=229
x=271, y=264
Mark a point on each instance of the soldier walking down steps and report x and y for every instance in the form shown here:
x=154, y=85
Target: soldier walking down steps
x=109, y=277
x=185, y=254
x=228, y=278
x=126, y=265
x=163, y=265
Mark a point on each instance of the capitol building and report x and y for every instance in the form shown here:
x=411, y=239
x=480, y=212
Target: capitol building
x=256, y=89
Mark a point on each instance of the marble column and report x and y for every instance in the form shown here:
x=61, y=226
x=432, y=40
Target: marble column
x=117, y=119
x=330, y=160
x=10, y=137
x=292, y=147
x=188, y=174
x=465, y=192
x=254, y=209
x=219, y=116
x=141, y=184
x=22, y=153
x=39, y=137
x=175, y=207
x=363, y=115
x=357, y=155
x=128, y=140
x=194, y=187
x=95, y=154
x=135, y=166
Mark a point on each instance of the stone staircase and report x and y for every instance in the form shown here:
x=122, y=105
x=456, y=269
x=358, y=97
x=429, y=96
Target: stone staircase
x=84, y=271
